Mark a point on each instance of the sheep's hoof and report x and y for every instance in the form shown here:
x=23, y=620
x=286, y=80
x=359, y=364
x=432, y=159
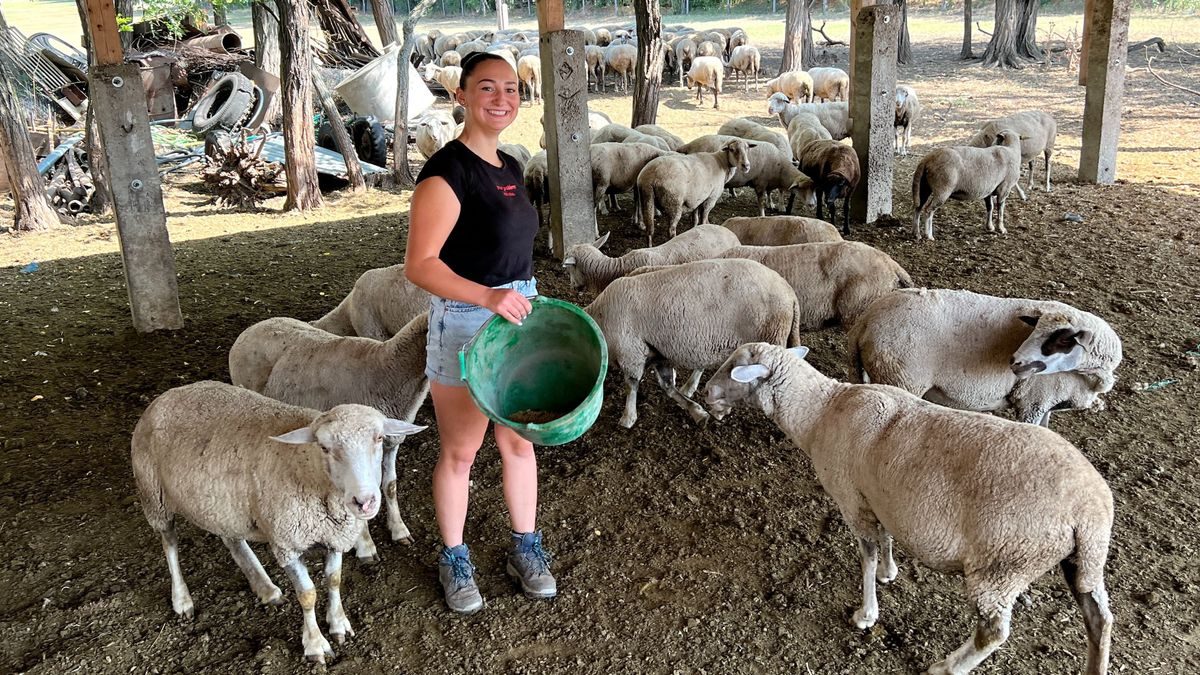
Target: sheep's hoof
x=627, y=421
x=862, y=621
x=342, y=631
x=939, y=669
x=276, y=601
x=699, y=416
x=372, y=559
x=406, y=540
x=887, y=576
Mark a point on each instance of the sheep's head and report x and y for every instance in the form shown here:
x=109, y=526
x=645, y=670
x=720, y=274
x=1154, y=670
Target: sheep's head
x=804, y=190
x=737, y=381
x=1056, y=345
x=351, y=441
x=777, y=103
x=582, y=252
x=738, y=154
x=1008, y=138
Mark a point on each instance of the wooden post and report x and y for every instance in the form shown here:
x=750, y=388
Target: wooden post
x=119, y=103
x=873, y=108
x=1105, y=63
x=568, y=140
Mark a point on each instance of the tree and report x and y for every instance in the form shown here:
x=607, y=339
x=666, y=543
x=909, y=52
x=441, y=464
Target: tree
x=385, y=21
x=303, y=192
x=904, y=44
x=400, y=169
x=798, y=47
x=648, y=79
x=968, y=51
x=98, y=167
x=1027, y=45
x=265, y=14
x=1003, y=51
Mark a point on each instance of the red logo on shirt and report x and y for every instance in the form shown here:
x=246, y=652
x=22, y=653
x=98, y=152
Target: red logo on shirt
x=509, y=191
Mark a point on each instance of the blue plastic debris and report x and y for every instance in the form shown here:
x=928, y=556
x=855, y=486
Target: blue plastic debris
x=30, y=268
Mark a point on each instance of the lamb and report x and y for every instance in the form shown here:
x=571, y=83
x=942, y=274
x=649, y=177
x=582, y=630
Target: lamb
x=595, y=64
x=615, y=168
x=966, y=173
x=1037, y=130
x=529, y=72
x=908, y=109
x=753, y=131
x=706, y=71
x=215, y=454
x=672, y=141
x=517, y=152
x=796, y=85
x=830, y=84
x=834, y=170
x=999, y=501
x=590, y=269
x=291, y=361
x=979, y=352
x=746, y=60
x=780, y=230
x=834, y=117
x=677, y=184
x=621, y=58
x=380, y=304
x=434, y=131
x=835, y=281
x=690, y=316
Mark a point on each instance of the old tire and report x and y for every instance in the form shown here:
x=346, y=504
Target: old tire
x=370, y=141
x=224, y=104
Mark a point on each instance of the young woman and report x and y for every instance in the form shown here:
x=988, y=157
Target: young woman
x=470, y=244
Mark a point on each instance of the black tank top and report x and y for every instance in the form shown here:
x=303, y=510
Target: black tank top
x=492, y=241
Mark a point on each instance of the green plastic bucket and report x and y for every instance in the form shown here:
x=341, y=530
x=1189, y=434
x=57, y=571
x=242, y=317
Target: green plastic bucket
x=545, y=378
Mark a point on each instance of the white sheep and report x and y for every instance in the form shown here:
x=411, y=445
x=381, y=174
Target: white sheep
x=447, y=76
x=803, y=129
x=708, y=48
x=834, y=117
x=615, y=168
x=746, y=60
x=678, y=184
x=1038, y=131
x=219, y=456
x=769, y=170
x=780, y=230
x=291, y=361
x=706, y=72
x=830, y=84
x=589, y=268
x=796, y=85
x=621, y=58
x=537, y=184
x=908, y=109
x=999, y=501
x=690, y=316
x=753, y=131
x=685, y=53
x=381, y=303
x=979, y=352
x=596, y=65
x=433, y=131
x=672, y=141
x=517, y=152
x=835, y=281
x=965, y=173
x=529, y=72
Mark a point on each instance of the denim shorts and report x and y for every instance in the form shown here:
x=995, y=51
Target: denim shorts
x=451, y=325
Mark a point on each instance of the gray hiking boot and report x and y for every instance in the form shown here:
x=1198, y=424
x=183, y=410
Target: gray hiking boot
x=457, y=575
x=529, y=564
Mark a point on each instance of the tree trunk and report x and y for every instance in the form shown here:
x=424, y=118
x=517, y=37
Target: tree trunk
x=1027, y=45
x=265, y=14
x=296, y=89
x=648, y=72
x=33, y=209
x=1002, y=49
x=968, y=51
x=220, y=14
x=385, y=21
x=400, y=169
x=798, y=45
x=101, y=199
x=124, y=8
x=341, y=137
x=904, y=45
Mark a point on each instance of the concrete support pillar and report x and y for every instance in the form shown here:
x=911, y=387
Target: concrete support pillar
x=568, y=141
x=1105, y=63
x=873, y=108
x=855, y=7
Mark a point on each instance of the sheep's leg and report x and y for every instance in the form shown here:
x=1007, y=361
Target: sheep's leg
x=1031, y=175
x=316, y=647
x=629, y=417
x=1001, y=199
x=601, y=201
x=1047, y=156
x=693, y=383
x=929, y=226
x=335, y=614
x=846, y=214
x=987, y=204
x=868, y=614
x=887, y=570
x=364, y=546
x=716, y=99
x=762, y=203
x=792, y=201
x=1020, y=190
x=181, y=599
x=991, y=630
x=665, y=375
x=396, y=526
x=260, y=581
x=907, y=139
x=613, y=205
x=1097, y=617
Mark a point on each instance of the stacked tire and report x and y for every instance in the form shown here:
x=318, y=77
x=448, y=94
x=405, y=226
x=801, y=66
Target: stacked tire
x=227, y=104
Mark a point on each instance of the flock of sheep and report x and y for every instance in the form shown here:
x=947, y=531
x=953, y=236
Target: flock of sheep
x=999, y=501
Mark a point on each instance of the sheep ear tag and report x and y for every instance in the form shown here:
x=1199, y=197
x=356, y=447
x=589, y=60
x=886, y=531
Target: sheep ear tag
x=799, y=352
x=750, y=373
x=298, y=437
x=393, y=427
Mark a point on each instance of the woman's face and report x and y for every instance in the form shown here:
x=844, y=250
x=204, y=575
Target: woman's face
x=491, y=97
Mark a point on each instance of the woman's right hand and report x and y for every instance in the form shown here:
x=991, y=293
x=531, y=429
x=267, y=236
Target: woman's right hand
x=509, y=304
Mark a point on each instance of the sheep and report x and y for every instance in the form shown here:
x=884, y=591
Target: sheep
x=999, y=501
x=908, y=109
x=447, y=76
x=537, y=184
x=834, y=117
x=835, y=280
x=966, y=173
x=750, y=130
x=621, y=58
x=830, y=84
x=615, y=168
x=672, y=141
x=780, y=230
x=434, y=130
x=619, y=133
x=507, y=54
x=804, y=129
x=590, y=269
x=746, y=60
x=603, y=37
x=706, y=71
x=707, y=48
x=796, y=85
x=214, y=454
x=470, y=47
x=670, y=62
x=446, y=43
x=529, y=72
x=1037, y=130
x=291, y=361
x=380, y=304
x=979, y=352
x=719, y=40
x=676, y=184
x=594, y=56
x=834, y=170
x=685, y=53
x=737, y=38
x=450, y=58
x=596, y=121
x=517, y=152
x=690, y=316
x=770, y=170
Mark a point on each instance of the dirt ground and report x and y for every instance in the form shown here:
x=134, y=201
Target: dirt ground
x=678, y=549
